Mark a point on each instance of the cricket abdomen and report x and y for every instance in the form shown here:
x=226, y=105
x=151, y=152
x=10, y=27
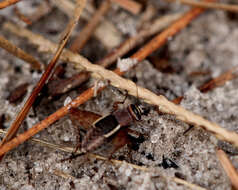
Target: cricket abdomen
x=102, y=129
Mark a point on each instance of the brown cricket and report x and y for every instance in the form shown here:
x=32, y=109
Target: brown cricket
x=112, y=127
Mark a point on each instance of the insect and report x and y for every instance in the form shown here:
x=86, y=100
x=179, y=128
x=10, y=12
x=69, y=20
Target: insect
x=111, y=128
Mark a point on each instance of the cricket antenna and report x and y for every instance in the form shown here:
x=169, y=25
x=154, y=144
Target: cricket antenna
x=137, y=95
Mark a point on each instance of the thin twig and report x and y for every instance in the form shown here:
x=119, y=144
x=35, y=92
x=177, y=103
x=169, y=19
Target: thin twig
x=114, y=161
x=42, y=9
x=88, y=30
x=186, y=183
x=228, y=167
x=162, y=38
x=7, y=3
x=214, y=83
x=11, y=48
x=21, y=16
x=156, y=26
x=201, y=4
x=220, y=80
x=22, y=114
x=106, y=32
x=130, y=5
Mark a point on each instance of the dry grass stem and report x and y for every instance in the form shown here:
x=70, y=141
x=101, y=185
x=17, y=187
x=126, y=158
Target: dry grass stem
x=145, y=94
x=22, y=114
x=7, y=3
x=147, y=15
x=22, y=17
x=207, y=5
x=114, y=161
x=5, y=44
x=220, y=80
x=187, y=184
x=162, y=38
x=63, y=175
x=216, y=82
x=88, y=30
x=43, y=9
x=228, y=167
x=154, y=27
x=106, y=32
x=130, y=5
x=67, y=6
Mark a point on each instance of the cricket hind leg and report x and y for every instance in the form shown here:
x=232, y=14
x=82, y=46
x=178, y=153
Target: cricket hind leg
x=82, y=120
x=128, y=137
x=119, y=140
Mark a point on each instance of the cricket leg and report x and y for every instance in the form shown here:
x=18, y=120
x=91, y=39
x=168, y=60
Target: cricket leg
x=115, y=104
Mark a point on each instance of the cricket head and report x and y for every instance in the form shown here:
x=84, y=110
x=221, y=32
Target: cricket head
x=137, y=111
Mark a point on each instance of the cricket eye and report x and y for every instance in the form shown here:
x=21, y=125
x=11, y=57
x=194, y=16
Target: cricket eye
x=144, y=110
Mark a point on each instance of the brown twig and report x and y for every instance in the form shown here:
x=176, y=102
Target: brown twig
x=162, y=38
x=130, y=5
x=22, y=17
x=7, y=3
x=164, y=104
x=43, y=9
x=216, y=82
x=132, y=42
x=22, y=114
x=88, y=30
x=106, y=32
x=187, y=184
x=4, y=43
x=220, y=80
x=228, y=167
x=208, y=5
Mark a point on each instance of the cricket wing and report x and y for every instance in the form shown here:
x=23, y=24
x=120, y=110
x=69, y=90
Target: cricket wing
x=83, y=118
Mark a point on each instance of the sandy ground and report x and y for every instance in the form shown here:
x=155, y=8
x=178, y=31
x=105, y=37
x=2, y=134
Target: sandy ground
x=208, y=44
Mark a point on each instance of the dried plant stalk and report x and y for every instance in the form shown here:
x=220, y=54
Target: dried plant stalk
x=228, y=167
x=130, y=5
x=22, y=114
x=201, y=4
x=43, y=9
x=22, y=17
x=185, y=183
x=220, y=80
x=216, y=82
x=88, y=30
x=4, y=43
x=7, y=3
x=154, y=27
x=106, y=32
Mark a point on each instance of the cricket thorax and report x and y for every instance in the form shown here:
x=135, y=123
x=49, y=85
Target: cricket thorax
x=123, y=117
